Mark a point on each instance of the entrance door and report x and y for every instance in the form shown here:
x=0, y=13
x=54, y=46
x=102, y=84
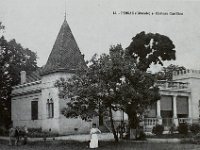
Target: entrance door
x=167, y=119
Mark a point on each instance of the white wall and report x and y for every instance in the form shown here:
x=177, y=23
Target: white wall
x=194, y=84
x=59, y=123
x=21, y=110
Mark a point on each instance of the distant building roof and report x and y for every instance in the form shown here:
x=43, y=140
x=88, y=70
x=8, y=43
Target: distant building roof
x=65, y=55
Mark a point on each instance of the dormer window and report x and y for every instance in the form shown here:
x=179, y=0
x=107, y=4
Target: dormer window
x=50, y=108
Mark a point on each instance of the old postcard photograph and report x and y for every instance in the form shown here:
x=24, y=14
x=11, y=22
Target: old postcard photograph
x=106, y=74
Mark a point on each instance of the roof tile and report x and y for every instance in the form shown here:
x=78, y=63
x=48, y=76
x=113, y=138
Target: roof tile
x=65, y=55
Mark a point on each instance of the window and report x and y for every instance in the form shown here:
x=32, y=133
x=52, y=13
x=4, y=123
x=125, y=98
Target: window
x=182, y=106
x=166, y=103
x=166, y=106
x=34, y=110
x=50, y=108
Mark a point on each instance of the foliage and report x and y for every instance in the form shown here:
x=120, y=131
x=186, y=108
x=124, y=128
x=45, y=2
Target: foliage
x=183, y=128
x=176, y=135
x=3, y=131
x=42, y=134
x=151, y=48
x=167, y=72
x=142, y=136
x=138, y=92
x=13, y=59
x=96, y=89
x=111, y=82
x=118, y=81
x=195, y=128
x=158, y=129
x=2, y=27
x=37, y=132
x=146, y=49
x=32, y=130
x=196, y=138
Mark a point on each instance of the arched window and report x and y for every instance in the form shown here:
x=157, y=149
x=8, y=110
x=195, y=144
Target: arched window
x=50, y=108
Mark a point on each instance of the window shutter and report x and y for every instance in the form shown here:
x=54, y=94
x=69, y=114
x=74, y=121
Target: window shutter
x=166, y=103
x=182, y=105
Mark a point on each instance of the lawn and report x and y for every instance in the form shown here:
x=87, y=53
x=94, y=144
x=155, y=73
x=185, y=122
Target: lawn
x=123, y=145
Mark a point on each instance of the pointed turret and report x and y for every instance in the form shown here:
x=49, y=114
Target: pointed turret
x=65, y=55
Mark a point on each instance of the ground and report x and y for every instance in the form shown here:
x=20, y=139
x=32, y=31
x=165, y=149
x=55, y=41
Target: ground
x=123, y=145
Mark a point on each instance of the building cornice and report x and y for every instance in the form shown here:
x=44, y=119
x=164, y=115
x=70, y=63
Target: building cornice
x=26, y=84
x=26, y=92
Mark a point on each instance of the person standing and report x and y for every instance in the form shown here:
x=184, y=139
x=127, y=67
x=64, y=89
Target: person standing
x=94, y=137
x=25, y=135
x=11, y=135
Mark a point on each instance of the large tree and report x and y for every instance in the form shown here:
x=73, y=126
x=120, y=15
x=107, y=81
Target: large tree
x=95, y=88
x=13, y=59
x=119, y=80
x=149, y=48
x=111, y=82
x=146, y=49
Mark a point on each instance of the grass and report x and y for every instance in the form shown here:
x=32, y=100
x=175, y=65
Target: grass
x=123, y=145
x=175, y=135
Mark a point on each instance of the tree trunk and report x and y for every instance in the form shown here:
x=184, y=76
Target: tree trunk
x=133, y=124
x=112, y=126
x=100, y=115
x=132, y=134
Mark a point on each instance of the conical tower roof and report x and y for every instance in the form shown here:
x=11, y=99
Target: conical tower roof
x=65, y=55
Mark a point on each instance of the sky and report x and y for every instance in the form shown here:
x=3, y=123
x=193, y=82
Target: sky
x=36, y=23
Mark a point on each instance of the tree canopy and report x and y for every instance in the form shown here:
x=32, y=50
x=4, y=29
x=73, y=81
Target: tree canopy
x=13, y=59
x=2, y=27
x=118, y=80
x=111, y=82
x=149, y=48
x=96, y=87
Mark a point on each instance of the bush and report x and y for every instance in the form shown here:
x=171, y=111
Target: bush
x=3, y=131
x=196, y=138
x=183, y=128
x=142, y=136
x=32, y=130
x=37, y=132
x=158, y=129
x=195, y=128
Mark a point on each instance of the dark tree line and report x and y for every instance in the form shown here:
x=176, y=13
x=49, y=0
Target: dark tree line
x=13, y=59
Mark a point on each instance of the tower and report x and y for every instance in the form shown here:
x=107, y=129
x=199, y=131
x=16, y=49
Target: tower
x=64, y=60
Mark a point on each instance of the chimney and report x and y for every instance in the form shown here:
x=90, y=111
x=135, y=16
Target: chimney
x=23, y=77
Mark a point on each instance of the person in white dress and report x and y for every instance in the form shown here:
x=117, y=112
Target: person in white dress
x=94, y=137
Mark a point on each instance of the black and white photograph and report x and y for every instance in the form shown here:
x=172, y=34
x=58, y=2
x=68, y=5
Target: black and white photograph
x=100, y=74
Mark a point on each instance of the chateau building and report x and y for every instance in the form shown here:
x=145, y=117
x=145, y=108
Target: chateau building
x=36, y=103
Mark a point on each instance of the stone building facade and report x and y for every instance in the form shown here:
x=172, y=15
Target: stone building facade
x=179, y=103
x=35, y=102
